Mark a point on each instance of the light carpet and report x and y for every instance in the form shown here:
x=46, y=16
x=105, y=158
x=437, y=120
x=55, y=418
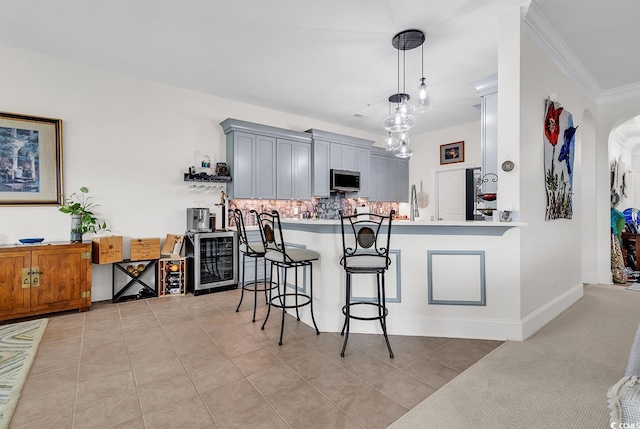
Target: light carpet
x=558, y=378
x=18, y=345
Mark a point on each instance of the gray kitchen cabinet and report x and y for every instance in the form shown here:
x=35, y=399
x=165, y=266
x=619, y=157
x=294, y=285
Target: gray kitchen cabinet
x=380, y=187
x=364, y=167
x=341, y=152
x=252, y=166
x=399, y=179
x=389, y=177
x=344, y=157
x=293, y=176
x=320, y=168
x=252, y=154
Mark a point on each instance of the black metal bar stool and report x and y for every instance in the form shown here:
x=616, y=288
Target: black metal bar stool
x=284, y=258
x=252, y=250
x=365, y=250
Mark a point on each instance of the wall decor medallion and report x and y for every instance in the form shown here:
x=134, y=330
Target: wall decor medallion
x=30, y=160
x=507, y=166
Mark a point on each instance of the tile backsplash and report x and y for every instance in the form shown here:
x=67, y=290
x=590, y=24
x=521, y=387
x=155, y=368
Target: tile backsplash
x=326, y=208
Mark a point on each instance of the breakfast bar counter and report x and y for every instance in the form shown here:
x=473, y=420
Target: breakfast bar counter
x=447, y=279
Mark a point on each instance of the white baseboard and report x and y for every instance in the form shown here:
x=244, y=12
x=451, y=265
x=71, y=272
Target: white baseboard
x=536, y=320
x=424, y=326
x=486, y=329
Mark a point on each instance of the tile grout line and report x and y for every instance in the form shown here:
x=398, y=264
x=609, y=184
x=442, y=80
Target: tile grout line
x=75, y=400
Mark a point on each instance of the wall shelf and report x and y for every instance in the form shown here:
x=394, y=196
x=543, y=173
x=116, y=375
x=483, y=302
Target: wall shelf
x=201, y=177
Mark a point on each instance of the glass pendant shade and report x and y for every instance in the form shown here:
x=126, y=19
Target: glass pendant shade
x=398, y=121
x=390, y=143
x=424, y=97
x=404, y=151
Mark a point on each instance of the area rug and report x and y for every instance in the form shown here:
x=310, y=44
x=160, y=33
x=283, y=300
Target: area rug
x=18, y=345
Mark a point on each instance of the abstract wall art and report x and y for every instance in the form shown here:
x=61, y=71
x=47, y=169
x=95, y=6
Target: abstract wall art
x=559, y=150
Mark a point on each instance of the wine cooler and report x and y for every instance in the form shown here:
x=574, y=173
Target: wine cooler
x=213, y=261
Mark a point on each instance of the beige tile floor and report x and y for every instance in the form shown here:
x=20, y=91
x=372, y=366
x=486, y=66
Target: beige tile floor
x=193, y=362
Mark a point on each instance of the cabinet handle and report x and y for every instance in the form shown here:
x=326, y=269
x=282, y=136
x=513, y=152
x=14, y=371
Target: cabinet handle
x=35, y=277
x=26, y=278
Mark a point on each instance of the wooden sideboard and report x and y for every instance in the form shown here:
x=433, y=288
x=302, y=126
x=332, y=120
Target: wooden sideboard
x=44, y=278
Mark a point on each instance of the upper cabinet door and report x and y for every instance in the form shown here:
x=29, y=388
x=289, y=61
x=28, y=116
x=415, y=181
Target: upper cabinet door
x=265, y=168
x=243, y=165
x=302, y=171
x=380, y=190
x=344, y=157
x=399, y=179
x=293, y=177
x=321, y=167
x=364, y=162
x=350, y=158
x=285, y=170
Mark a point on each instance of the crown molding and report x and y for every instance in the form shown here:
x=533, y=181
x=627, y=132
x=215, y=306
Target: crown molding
x=620, y=93
x=543, y=35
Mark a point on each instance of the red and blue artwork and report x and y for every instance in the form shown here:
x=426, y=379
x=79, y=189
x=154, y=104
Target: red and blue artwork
x=558, y=165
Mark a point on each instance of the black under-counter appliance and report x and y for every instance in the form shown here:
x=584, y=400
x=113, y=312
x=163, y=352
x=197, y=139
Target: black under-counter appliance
x=213, y=261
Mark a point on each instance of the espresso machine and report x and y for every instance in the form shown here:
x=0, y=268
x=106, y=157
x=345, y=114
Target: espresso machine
x=199, y=220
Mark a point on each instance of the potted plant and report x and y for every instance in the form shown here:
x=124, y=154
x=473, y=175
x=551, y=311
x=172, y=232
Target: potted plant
x=80, y=206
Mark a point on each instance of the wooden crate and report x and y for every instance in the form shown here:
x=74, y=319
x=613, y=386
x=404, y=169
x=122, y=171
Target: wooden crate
x=106, y=250
x=144, y=249
x=172, y=245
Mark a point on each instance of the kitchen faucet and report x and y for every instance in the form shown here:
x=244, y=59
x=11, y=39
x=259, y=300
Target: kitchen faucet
x=414, y=204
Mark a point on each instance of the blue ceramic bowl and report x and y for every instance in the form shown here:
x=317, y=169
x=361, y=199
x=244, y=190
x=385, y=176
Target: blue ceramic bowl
x=30, y=240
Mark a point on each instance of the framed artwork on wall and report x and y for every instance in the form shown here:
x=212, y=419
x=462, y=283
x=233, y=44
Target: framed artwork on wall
x=452, y=152
x=30, y=160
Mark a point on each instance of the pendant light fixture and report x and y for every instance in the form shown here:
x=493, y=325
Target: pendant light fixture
x=390, y=143
x=402, y=120
x=424, y=92
x=404, y=149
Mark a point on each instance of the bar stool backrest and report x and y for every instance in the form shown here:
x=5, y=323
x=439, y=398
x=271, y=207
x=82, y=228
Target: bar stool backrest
x=364, y=236
x=271, y=231
x=238, y=220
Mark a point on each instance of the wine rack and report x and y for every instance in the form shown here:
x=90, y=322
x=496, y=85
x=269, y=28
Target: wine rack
x=172, y=275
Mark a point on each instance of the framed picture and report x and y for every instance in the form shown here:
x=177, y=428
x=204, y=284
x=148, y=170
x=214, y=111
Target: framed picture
x=30, y=160
x=204, y=162
x=451, y=153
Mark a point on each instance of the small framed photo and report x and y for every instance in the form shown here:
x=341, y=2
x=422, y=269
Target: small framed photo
x=30, y=160
x=451, y=153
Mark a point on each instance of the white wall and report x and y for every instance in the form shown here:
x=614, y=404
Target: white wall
x=551, y=250
x=128, y=140
x=426, y=157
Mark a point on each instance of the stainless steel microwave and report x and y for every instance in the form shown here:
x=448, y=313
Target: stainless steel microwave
x=344, y=180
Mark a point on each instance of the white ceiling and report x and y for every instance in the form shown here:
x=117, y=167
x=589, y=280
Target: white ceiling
x=328, y=60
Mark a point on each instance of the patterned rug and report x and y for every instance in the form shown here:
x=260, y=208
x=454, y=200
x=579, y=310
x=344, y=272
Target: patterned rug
x=18, y=345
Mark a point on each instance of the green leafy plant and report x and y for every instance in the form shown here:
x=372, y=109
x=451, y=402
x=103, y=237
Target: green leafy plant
x=82, y=204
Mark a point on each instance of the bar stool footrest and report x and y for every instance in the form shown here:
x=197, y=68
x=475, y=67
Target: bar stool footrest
x=374, y=304
x=283, y=296
x=253, y=286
